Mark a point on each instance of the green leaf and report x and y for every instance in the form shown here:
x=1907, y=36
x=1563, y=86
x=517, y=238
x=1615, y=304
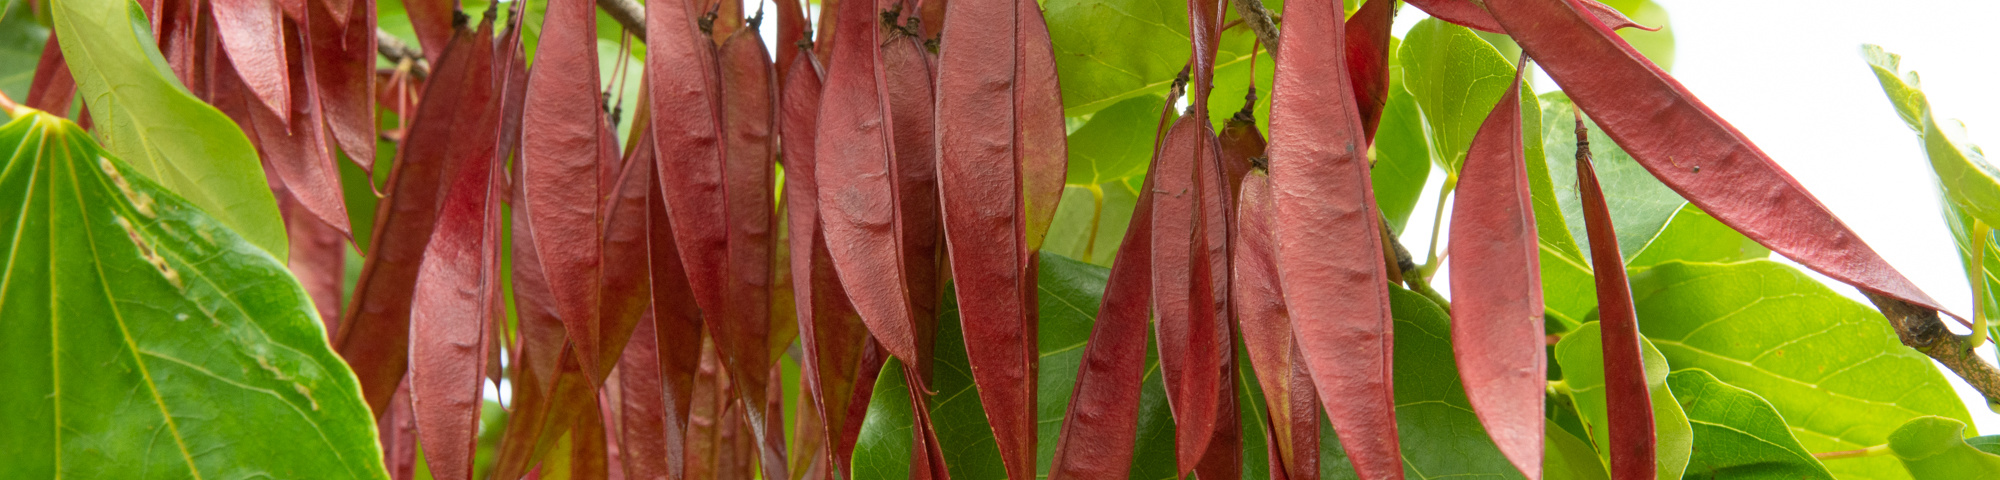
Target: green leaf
x=1569, y=458
x=1830, y=365
x=21, y=42
x=1640, y=204
x=1691, y=235
x=1456, y=79
x=1935, y=447
x=1117, y=142
x=1962, y=172
x=1070, y=292
x=1971, y=186
x=1568, y=291
x=147, y=118
x=153, y=123
x=146, y=340
x=883, y=449
x=1582, y=357
x=1982, y=270
x=1737, y=434
x=1112, y=50
x=1402, y=153
x=1091, y=221
x=1432, y=412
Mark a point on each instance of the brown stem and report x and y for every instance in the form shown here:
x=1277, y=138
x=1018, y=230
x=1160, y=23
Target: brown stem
x=1259, y=20
x=628, y=13
x=396, y=51
x=1920, y=329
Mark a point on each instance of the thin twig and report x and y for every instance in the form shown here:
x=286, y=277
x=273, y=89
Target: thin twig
x=396, y=51
x=1920, y=329
x=629, y=14
x=1259, y=20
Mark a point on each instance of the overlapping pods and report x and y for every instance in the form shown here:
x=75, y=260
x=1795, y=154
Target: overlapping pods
x=1329, y=248
x=1001, y=156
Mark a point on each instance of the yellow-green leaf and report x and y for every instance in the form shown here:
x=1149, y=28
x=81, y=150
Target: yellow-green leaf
x=147, y=118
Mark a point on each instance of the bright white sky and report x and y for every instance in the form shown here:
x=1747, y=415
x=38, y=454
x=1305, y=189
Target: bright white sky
x=1789, y=74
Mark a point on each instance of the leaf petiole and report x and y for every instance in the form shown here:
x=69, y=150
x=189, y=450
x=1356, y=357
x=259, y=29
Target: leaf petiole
x=1858, y=453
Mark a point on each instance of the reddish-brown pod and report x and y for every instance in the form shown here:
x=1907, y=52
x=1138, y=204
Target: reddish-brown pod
x=1631, y=406
x=677, y=321
x=560, y=162
x=742, y=332
x=830, y=331
x=252, y=33
x=908, y=85
x=293, y=144
x=1329, y=250
x=1368, y=37
x=374, y=336
x=1242, y=145
x=1471, y=14
x=793, y=35
x=1496, y=283
x=1704, y=158
x=1224, y=460
x=1103, y=415
x=457, y=285
x=53, y=88
x=398, y=433
x=431, y=21
x=858, y=190
x=1000, y=131
x=1267, y=333
x=1183, y=286
x=318, y=259
x=343, y=61
x=682, y=76
x=642, y=410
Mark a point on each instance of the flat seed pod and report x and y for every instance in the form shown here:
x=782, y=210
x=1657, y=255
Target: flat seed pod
x=858, y=187
x=1329, y=244
x=1496, y=283
x=374, y=337
x=1629, y=399
x=1704, y=158
x=561, y=159
x=994, y=174
x=1473, y=15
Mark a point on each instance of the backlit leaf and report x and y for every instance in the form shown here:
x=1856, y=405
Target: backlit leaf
x=145, y=116
x=1831, y=366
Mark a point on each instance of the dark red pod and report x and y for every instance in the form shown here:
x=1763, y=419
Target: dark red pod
x=1329, y=243
x=1001, y=150
x=561, y=162
x=1368, y=37
x=830, y=331
x=1267, y=334
x=1630, y=402
x=860, y=188
x=374, y=336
